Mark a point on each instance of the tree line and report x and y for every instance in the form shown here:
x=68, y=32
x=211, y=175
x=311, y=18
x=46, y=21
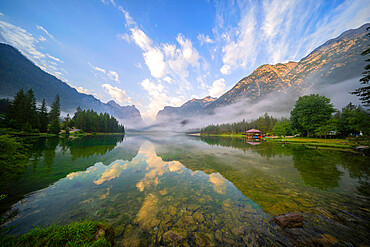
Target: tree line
x=91, y=121
x=264, y=123
x=22, y=114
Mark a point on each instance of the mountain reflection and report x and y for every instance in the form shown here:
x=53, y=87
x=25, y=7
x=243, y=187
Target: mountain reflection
x=148, y=197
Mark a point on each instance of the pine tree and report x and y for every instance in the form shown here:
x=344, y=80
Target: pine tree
x=364, y=92
x=43, y=117
x=30, y=110
x=55, y=127
x=55, y=110
x=16, y=114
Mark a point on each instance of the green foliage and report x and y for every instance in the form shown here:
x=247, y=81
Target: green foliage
x=282, y=128
x=352, y=120
x=4, y=105
x=310, y=112
x=364, y=92
x=22, y=113
x=55, y=127
x=80, y=233
x=30, y=110
x=13, y=159
x=90, y=121
x=264, y=123
x=43, y=117
x=55, y=110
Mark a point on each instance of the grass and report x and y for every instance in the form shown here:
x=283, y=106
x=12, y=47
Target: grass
x=319, y=142
x=79, y=233
x=314, y=142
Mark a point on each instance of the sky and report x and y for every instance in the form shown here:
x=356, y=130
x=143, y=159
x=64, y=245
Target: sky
x=160, y=53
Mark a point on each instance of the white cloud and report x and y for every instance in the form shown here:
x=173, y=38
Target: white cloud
x=117, y=93
x=242, y=50
x=42, y=39
x=98, y=69
x=179, y=59
x=1, y=13
x=158, y=99
x=154, y=60
x=128, y=18
x=47, y=33
x=113, y=76
x=54, y=58
x=168, y=79
x=139, y=66
x=21, y=39
x=83, y=90
x=217, y=88
x=27, y=44
x=141, y=39
x=275, y=11
x=285, y=31
x=226, y=69
x=124, y=36
x=204, y=39
x=108, y=1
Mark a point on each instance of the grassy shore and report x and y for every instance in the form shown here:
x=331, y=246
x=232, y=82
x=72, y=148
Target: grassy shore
x=80, y=233
x=312, y=142
x=319, y=142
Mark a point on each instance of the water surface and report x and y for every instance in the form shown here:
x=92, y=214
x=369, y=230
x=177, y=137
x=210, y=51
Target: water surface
x=175, y=189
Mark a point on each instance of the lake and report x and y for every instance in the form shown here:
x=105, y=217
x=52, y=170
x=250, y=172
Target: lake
x=172, y=189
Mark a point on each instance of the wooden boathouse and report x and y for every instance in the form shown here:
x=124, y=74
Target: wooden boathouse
x=253, y=134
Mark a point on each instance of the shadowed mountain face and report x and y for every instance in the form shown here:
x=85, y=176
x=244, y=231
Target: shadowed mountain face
x=17, y=72
x=190, y=108
x=333, y=62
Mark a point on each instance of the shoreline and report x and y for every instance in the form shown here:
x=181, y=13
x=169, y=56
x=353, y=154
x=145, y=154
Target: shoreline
x=309, y=142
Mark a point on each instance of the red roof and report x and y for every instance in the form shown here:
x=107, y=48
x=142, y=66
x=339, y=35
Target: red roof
x=253, y=131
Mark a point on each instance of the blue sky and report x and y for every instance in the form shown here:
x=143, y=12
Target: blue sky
x=156, y=53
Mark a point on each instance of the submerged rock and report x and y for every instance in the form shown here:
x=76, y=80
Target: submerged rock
x=174, y=237
x=289, y=220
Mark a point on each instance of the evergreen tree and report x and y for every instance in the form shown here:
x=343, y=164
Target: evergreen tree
x=90, y=121
x=16, y=115
x=55, y=110
x=43, y=117
x=55, y=127
x=30, y=110
x=364, y=92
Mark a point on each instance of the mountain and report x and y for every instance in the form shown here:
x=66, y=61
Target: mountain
x=190, y=108
x=16, y=71
x=335, y=61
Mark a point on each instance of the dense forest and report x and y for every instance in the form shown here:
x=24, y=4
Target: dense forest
x=90, y=121
x=264, y=123
x=312, y=115
x=22, y=114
